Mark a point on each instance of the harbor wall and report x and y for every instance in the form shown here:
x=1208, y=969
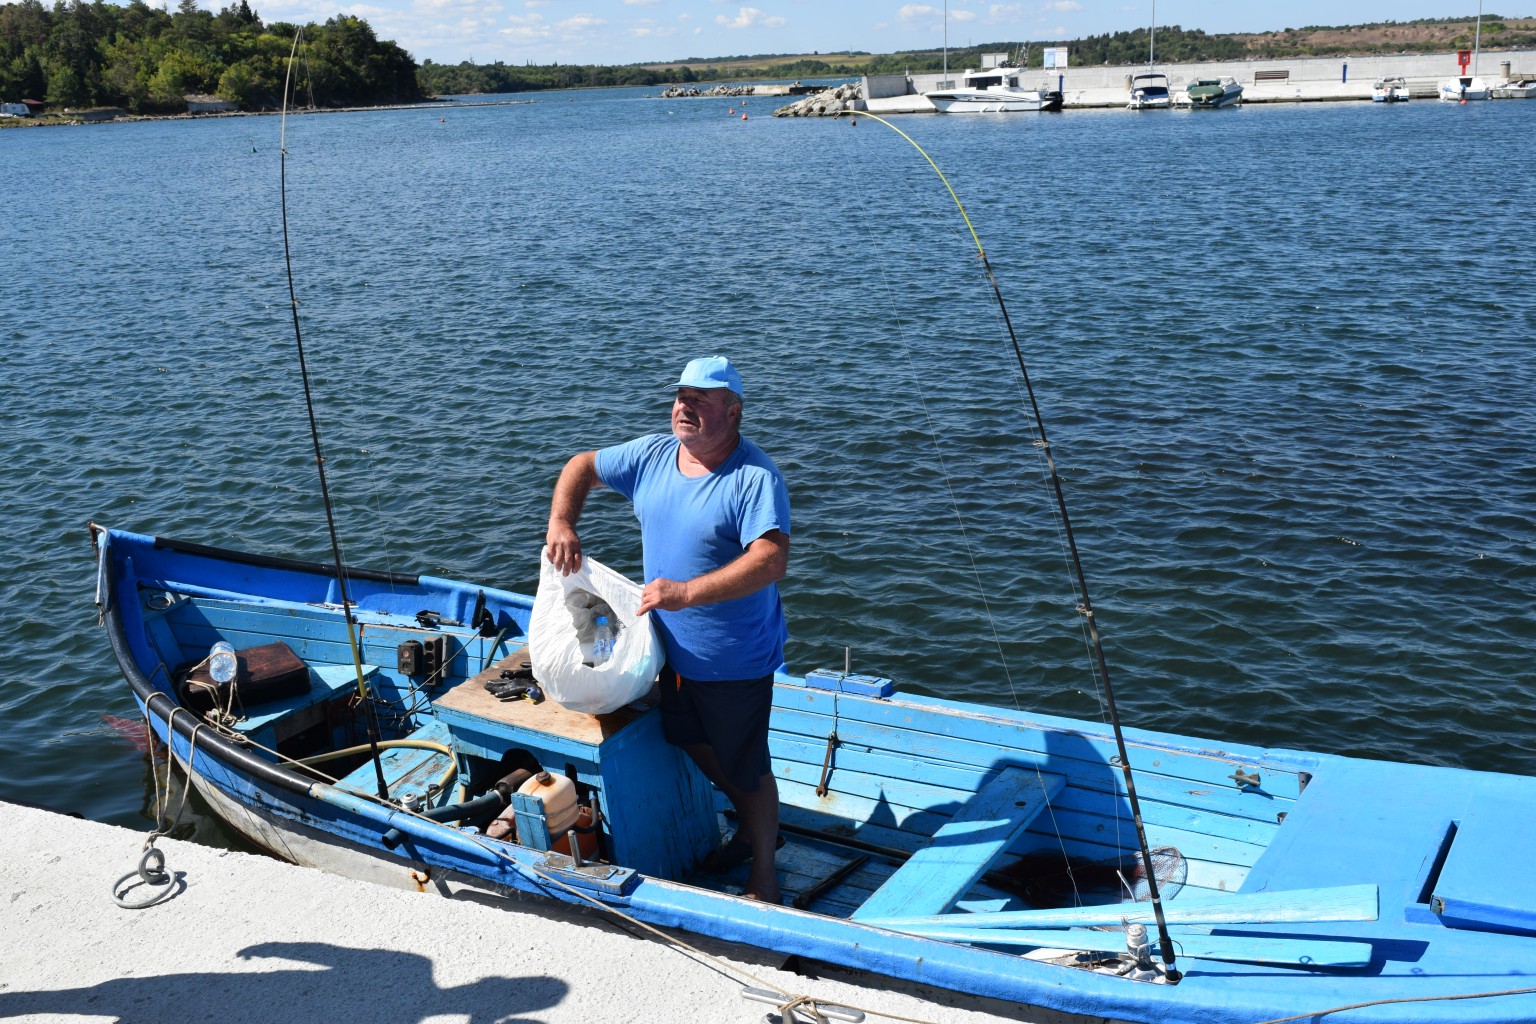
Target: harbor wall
x=1293, y=79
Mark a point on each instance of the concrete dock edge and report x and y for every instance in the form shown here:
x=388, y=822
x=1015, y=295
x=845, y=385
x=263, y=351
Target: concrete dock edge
x=254, y=940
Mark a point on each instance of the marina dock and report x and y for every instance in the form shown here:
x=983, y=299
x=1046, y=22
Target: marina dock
x=1294, y=80
x=248, y=938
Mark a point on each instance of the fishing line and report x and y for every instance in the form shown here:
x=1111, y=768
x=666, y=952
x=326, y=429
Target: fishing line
x=370, y=717
x=920, y=199
x=899, y=324
x=1085, y=609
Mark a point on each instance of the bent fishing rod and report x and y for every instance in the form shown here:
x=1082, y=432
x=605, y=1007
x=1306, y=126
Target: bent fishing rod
x=1085, y=608
x=370, y=715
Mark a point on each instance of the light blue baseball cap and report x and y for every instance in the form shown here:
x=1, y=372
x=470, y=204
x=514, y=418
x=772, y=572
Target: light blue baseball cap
x=709, y=372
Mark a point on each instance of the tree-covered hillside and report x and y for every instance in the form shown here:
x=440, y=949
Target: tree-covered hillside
x=146, y=59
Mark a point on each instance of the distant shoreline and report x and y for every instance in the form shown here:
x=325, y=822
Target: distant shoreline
x=74, y=120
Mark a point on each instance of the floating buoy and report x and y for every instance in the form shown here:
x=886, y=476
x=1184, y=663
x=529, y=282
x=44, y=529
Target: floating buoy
x=743, y=116
x=855, y=122
x=730, y=110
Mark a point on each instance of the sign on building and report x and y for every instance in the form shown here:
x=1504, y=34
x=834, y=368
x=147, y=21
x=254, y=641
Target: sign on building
x=1056, y=57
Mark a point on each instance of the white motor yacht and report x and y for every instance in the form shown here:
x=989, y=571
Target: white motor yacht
x=1463, y=87
x=993, y=90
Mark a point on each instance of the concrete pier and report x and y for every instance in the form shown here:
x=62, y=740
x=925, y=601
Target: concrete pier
x=1293, y=80
x=250, y=939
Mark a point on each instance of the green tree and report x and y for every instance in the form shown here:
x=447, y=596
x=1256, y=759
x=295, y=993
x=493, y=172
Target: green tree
x=180, y=73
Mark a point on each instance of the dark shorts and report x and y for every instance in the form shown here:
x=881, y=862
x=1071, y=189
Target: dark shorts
x=729, y=716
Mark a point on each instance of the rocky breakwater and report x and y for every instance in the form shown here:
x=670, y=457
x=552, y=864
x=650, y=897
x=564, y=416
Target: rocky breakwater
x=825, y=104
x=678, y=91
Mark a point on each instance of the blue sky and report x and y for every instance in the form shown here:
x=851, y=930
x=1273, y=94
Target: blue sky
x=652, y=31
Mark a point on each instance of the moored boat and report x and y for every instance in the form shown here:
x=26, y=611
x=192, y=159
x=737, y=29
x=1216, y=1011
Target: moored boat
x=1463, y=88
x=1466, y=87
x=923, y=833
x=1211, y=93
x=1515, y=90
x=1149, y=91
x=994, y=90
x=1390, y=89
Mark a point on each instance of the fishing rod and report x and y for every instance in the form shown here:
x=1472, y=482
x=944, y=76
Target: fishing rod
x=1085, y=608
x=370, y=716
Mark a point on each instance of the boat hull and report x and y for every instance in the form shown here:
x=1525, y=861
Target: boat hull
x=961, y=101
x=1290, y=820
x=1213, y=94
x=1463, y=88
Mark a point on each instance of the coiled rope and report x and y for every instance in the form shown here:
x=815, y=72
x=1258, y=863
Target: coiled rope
x=151, y=869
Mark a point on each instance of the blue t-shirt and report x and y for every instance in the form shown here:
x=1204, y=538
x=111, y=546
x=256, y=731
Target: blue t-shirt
x=693, y=525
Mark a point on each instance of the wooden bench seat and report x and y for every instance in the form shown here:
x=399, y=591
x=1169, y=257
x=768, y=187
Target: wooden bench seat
x=962, y=850
x=272, y=723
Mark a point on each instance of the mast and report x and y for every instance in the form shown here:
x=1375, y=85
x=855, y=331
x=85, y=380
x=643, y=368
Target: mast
x=1477, y=38
x=946, y=42
x=1152, y=40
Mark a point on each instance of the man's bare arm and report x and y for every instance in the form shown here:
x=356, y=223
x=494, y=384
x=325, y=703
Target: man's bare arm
x=577, y=480
x=765, y=561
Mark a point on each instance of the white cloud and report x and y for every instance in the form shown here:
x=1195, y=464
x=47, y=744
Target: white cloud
x=526, y=28
x=911, y=12
x=580, y=22
x=1064, y=5
x=751, y=17
x=642, y=3
x=962, y=15
x=648, y=29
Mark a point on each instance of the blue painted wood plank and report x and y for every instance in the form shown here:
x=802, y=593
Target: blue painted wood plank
x=1194, y=946
x=1297, y=906
x=407, y=768
x=1230, y=811
x=962, y=850
x=1486, y=883
x=1112, y=834
x=1202, y=875
x=325, y=682
x=1090, y=811
x=973, y=739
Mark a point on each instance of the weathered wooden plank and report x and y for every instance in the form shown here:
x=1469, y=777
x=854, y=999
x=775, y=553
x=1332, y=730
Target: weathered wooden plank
x=1194, y=946
x=1092, y=811
x=1202, y=875
x=925, y=821
x=1333, y=903
x=1230, y=811
x=316, y=636
x=406, y=768
x=962, y=850
x=922, y=728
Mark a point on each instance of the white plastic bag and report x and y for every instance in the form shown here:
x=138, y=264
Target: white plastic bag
x=559, y=646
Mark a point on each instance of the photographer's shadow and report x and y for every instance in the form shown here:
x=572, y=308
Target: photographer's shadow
x=365, y=986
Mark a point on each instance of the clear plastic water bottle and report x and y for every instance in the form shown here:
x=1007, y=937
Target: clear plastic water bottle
x=221, y=662
x=602, y=641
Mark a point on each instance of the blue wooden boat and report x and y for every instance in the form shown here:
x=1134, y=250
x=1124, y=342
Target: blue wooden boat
x=921, y=832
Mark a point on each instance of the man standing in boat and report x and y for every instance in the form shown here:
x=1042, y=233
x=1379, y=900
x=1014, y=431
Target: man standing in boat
x=714, y=525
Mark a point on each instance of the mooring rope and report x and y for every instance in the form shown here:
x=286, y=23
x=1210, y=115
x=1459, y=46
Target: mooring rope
x=151, y=868
x=1405, y=999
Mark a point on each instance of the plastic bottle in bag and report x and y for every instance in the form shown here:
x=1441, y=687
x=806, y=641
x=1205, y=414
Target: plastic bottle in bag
x=602, y=641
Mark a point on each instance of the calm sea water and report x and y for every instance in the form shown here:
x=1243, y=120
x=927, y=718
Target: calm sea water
x=1285, y=357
